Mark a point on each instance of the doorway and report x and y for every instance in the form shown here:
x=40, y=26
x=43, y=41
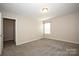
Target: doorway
x=8, y=31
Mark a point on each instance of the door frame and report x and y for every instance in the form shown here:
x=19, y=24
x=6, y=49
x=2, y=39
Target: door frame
x=14, y=26
x=1, y=34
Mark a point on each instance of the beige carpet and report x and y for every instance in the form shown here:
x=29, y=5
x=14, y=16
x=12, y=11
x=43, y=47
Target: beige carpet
x=42, y=47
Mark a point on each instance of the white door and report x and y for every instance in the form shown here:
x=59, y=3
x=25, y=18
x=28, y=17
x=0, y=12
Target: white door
x=1, y=35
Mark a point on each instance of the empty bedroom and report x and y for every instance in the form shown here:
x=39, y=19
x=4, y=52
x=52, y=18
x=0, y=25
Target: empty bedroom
x=39, y=29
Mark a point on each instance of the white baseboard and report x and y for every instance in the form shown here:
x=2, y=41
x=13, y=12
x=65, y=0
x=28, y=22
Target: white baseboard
x=29, y=41
x=64, y=40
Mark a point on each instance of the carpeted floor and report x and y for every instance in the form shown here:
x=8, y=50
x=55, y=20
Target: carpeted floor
x=42, y=47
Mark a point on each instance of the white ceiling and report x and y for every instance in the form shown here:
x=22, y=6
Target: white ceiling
x=34, y=10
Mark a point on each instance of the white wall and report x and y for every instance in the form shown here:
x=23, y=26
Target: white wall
x=27, y=29
x=65, y=28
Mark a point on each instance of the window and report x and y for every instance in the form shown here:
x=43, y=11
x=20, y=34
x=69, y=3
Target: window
x=46, y=28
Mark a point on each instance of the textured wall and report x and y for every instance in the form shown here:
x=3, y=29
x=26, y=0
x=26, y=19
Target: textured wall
x=27, y=29
x=65, y=28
